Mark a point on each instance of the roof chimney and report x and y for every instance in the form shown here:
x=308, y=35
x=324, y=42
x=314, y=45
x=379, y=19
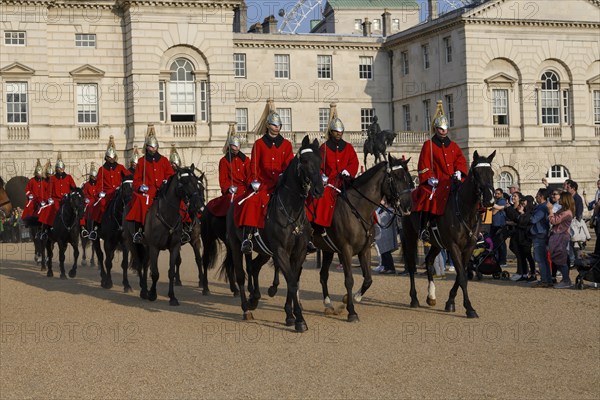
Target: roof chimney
x=240, y=18
x=432, y=8
x=386, y=19
x=269, y=25
x=366, y=27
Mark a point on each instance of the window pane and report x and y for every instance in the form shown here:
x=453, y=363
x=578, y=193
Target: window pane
x=366, y=118
x=286, y=119
x=323, y=119
x=241, y=118
x=324, y=67
x=182, y=91
x=282, y=66
x=365, y=68
x=16, y=102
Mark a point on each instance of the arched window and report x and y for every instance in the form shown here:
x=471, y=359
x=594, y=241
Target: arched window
x=557, y=174
x=505, y=180
x=182, y=90
x=550, y=98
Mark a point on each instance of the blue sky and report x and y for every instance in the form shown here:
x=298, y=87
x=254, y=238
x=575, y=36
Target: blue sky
x=259, y=9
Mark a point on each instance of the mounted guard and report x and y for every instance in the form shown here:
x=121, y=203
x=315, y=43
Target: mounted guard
x=36, y=192
x=91, y=191
x=135, y=154
x=441, y=162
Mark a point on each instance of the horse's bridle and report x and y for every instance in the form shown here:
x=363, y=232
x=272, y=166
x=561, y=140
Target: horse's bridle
x=77, y=213
x=395, y=194
x=479, y=191
x=306, y=183
x=187, y=197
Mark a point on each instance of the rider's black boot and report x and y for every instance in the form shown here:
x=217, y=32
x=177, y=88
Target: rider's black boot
x=424, y=228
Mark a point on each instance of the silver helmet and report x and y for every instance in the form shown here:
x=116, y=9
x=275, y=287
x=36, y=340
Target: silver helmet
x=111, y=151
x=93, y=170
x=59, y=161
x=336, y=124
x=174, y=157
x=441, y=122
x=38, y=171
x=274, y=119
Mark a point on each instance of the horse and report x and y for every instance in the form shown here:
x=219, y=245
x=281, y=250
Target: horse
x=458, y=229
x=285, y=235
x=85, y=242
x=65, y=230
x=111, y=230
x=192, y=232
x=163, y=228
x=377, y=145
x=211, y=229
x=352, y=228
x=5, y=204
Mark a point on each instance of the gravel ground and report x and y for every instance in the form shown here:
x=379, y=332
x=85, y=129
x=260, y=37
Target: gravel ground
x=72, y=339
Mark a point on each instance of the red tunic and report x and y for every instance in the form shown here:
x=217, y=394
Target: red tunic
x=270, y=157
x=157, y=170
x=109, y=178
x=337, y=156
x=58, y=186
x=90, y=192
x=37, y=189
x=447, y=159
x=236, y=173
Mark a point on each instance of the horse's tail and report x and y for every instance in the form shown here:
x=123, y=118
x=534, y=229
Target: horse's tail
x=210, y=246
x=227, y=263
x=138, y=258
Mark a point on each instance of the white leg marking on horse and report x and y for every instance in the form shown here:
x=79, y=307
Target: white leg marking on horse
x=327, y=302
x=431, y=290
x=357, y=297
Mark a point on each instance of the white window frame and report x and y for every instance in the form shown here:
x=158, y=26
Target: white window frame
x=406, y=113
x=204, y=100
x=396, y=24
x=358, y=24
x=241, y=119
x=15, y=38
x=162, y=101
x=182, y=93
x=550, y=99
x=365, y=68
x=425, y=52
x=448, y=49
x=87, y=104
x=557, y=174
x=17, y=103
x=366, y=118
x=282, y=66
x=404, y=62
x=427, y=115
x=376, y=25
x=500, y=115
x=85, y=40
x=505, y=180
x=566, y=107
x=324, y=67
x=286, y=119
x=450, y=109
x=324, y=114
x=596, y=106
x=239, y=65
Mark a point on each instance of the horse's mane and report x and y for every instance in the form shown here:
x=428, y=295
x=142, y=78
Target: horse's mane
x=1, y=183
x=284, y=177
x=369, y=173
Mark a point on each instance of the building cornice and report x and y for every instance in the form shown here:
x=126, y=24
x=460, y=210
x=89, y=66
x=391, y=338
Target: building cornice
x=284, y=42
x=125, y=4
x=533, y=23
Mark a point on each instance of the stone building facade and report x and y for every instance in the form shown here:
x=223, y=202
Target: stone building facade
x=524, y=81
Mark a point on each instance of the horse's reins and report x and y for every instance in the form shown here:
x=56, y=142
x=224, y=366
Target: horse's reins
x=458, y=214
x=62, y=217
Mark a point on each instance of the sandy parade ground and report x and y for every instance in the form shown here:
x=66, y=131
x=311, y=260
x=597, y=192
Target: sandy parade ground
x=72, y=339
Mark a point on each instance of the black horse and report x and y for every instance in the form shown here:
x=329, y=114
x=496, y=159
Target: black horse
x=213, y=228
x=65, y=230
x=111, y=231
x=286, y=233
x=351, y=232
x=377, y=145
x=163, y=229
x=458, y=228
x=191, y=232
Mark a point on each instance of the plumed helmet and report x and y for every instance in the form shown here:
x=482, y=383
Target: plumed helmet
x=59, y=162
x=135, y=155
x=38, y=171
x=93, y=170
x=336, y=125
x=441, y=122
x=49, y=168
x=274, y=119
x=151, y=139
x=174, y=156
x=111, y=150
x=234, y=140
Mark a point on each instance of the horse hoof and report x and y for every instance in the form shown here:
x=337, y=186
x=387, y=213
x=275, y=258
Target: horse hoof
x=248, y=316
x=205, y=292
x=345, y=299
x=63, y=276
x=152, y=296
x=83, y=263
x=178, y=283
x=290, y=322
x=353, y=318
x=49, y=274
x=431, y=302
x=144, y=295
x=415, y=304
x=252, y=304
x=72, y=273
x=127, y=289
x=108, y=285
x=272, y=291
x=329, y=311
x=472, y=314
x=236, y=293
x=450, y=307
x=301, y=327
x=173, y=302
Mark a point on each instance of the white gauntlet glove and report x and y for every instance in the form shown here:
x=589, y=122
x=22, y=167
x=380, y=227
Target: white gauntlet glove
x=433, y=182
x=458, y=175
x=345, y=173
x=143, y=188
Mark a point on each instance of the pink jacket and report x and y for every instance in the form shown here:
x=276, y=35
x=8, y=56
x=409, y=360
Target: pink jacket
x=561, y=222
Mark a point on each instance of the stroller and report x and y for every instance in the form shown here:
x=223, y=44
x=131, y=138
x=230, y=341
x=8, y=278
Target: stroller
x=484, y=259
x=589, y=270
